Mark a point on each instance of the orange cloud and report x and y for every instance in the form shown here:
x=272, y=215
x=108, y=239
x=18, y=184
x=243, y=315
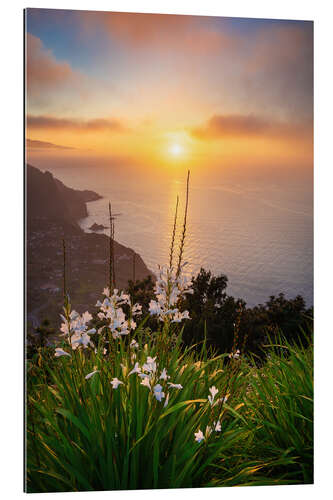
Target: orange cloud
x=95, y=125
x=281, y=46
x=33, y=144
x=158, y=31
x=43, y=70
x=247, y=126
x=278, y=68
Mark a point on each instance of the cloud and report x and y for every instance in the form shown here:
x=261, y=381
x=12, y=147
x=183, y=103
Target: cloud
x=262, y=63
x=33, y=144
x=278, y=69
x=282, y=46
x=250, y=126
x=159, y=31
x=94, y=125
x=43, y=70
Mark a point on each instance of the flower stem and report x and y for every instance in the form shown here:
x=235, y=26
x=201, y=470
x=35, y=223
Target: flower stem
x=182, y=241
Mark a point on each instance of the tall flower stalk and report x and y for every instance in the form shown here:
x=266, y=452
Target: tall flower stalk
x=64, y=267
x=171, y=285
x=173, y=234
x=182, y=240
x=169, y=289
x=66, y=307
x=112, y=276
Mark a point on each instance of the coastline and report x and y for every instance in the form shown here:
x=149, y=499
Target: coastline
x=87, y=254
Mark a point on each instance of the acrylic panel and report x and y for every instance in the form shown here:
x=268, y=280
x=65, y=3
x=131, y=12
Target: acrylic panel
x=169, y=251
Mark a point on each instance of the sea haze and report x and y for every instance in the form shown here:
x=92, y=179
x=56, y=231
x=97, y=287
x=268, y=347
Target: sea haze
x=257, y=230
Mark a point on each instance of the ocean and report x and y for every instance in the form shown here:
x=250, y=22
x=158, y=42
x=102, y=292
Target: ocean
x=255, y=228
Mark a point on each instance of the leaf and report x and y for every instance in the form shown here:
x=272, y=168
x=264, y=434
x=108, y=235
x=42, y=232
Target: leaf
x=67, y=414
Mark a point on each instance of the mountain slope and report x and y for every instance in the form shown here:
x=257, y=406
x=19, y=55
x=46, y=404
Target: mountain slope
x=53, y=210
x=49, y=197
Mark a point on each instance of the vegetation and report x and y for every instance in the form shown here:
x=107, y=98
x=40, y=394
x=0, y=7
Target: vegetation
x=213, y=314
x=83, y=434
x=222, y=399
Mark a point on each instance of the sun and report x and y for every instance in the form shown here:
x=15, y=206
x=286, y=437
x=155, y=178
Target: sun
x=176, y=149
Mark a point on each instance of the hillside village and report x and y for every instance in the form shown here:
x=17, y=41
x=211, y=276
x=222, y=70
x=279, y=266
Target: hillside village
x=52, y=214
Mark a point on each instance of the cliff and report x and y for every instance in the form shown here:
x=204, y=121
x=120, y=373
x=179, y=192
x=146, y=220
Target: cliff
x=52, y=213
x=49, y=197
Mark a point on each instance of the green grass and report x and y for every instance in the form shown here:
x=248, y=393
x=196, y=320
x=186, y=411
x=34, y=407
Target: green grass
x=84, y=435
x=279, y=417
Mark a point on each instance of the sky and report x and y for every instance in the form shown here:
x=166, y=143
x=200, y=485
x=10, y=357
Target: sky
x=167, y=91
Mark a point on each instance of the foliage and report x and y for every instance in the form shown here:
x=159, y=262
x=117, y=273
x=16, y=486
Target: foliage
x=213, y=314
x=84, y=435
x=121, y=405
x=39, y=338
x=281, y=410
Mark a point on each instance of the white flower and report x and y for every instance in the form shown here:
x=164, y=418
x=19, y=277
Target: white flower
x=136, y=310
x=164, y=375
x=114, y=315
x=168, y=290
x=74, y=315
x=166, y=400
x=87, y=377
x=199, y=436
x=64, y=327
x=104, y=351
x=75, y=341
x=76, y=329
x=60, y=352
x=221, y=400
x=179, y=316
x=185, y=315
x=150, y=365
x=235, y=355
x=154, y=307
x=115, y=383
x=125, y=298
x=175, y=386
x=213, y=392
x=136, y=369
x=132, y=325
x=85, y=338
x=158, y=393
x=146, y=382
x=81, y=339
x=86, y=317
x=217, y=426
x=134, y=344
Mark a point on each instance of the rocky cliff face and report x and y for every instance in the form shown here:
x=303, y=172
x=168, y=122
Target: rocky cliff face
x=49, y=197
x=52, y=213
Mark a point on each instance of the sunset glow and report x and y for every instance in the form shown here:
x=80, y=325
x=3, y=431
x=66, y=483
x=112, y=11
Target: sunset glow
x=152, y=89
x=176, y=149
